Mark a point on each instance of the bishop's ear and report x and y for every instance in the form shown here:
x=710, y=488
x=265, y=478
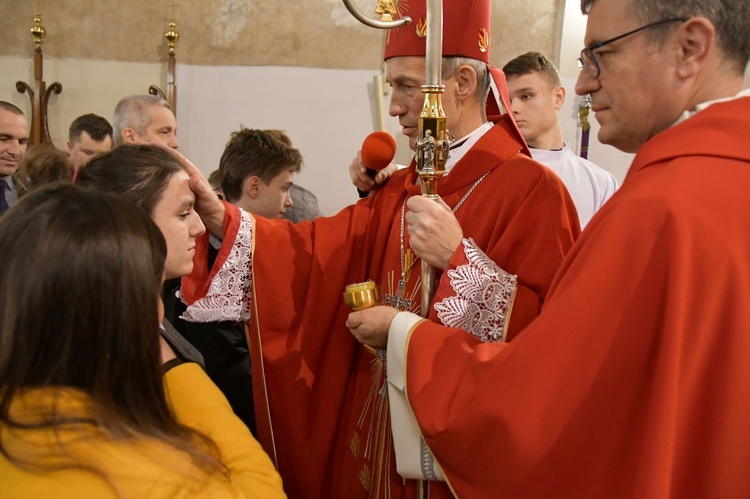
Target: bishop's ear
x=466, y=80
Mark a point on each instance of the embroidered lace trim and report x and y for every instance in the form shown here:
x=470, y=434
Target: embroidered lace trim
x=484, y=292
x=229, y=295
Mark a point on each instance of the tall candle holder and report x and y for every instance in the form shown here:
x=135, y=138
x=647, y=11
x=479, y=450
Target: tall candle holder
x=171, y=96
x=40, y=93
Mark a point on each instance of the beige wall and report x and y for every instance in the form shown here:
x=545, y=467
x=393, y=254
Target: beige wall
x=306, y=33
x=89, y=86
x=327, y=112
x=244, y=62
x=239, y=62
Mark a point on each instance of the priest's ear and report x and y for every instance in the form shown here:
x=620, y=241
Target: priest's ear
x=251, y=187
x=696, y=46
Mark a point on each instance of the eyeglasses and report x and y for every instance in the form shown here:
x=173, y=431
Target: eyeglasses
x=588, y=58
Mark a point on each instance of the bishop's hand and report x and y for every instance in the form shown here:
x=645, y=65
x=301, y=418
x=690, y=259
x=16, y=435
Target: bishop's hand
x=434, y=231
x=370, y=326
x=362, y=180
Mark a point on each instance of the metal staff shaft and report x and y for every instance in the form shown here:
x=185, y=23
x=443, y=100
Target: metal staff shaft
x=432, y=140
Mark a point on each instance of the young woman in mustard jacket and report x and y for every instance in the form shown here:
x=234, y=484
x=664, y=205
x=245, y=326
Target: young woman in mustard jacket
x=85, y=407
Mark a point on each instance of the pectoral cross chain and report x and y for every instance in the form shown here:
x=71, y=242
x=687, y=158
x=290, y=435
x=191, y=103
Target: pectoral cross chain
x=398, y=301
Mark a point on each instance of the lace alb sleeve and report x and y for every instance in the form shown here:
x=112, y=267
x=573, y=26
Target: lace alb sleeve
x=483, y=297
x=229, y=294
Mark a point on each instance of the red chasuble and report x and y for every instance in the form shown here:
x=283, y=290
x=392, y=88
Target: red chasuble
x=635, y=380
x=322, y=414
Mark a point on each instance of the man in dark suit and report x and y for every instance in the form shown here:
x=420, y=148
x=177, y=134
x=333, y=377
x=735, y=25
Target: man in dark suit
x=14, y=138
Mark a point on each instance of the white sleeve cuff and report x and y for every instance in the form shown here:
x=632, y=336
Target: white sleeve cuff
x=413, y=458
x=398, y=334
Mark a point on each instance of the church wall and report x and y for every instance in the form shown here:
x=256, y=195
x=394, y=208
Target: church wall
x=304, y=67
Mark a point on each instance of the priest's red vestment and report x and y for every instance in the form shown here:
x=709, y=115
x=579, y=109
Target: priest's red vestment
x=634, y=381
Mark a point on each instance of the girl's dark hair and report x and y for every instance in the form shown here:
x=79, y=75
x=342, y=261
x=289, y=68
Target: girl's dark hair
x=140, y=173
x=80, y=279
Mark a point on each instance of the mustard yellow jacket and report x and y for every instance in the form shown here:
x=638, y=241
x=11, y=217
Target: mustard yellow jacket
x=145, y=468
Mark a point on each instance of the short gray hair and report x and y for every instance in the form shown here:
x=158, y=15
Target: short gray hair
x=731, y=18
x=451, y=65
x=132, y=112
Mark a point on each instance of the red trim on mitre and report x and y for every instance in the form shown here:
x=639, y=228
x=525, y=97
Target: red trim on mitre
x=466, y=30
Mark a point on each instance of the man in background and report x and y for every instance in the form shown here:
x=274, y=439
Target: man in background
x=257, y=172
x=536, y=96
x=146, y=118
x=14, y=139
x=89, y=136
x=304, y=203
